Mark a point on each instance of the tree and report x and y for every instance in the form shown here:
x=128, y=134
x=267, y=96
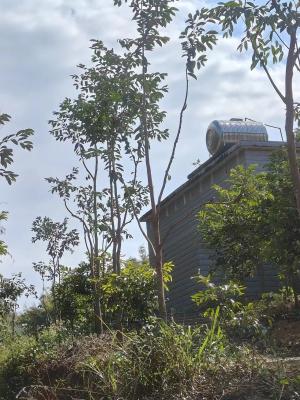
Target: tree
x=59, y=240
x=151, y=16
x=11, y=288
x=233, y=226
x=254, y=223
x=75, y=293
x=21, y=138
x=3, y=247
x=10, y=291
x=282, y=222
x=270, y=32
x=119, y=106
x=92, y=214
x=36, y=318
x=127, y=298
x=100, y=123
x=131, y=297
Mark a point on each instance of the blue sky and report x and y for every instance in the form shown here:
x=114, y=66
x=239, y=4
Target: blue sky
x=41, y=42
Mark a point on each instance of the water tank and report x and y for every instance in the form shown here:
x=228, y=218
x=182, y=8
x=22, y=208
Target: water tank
x=220, y=133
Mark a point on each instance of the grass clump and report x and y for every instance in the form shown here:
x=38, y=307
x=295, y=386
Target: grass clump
x=158, y=362
x=20, y=357
x=161, y=361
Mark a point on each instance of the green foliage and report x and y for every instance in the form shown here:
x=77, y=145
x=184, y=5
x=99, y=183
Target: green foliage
x=5, y=329
x=106, y=107
x=10, y=291
x=282, y=219
x=265, y=28
x=238, y=318
x=59, y=239
x=20, y=355
x=101, y=124
x=3, y=247
x=6, y=152
x=56, y=235
x=127, y=299
x=226, y=296
x=233, y=225
x=34, y=319
x=161, y=361
x=15, y=360
x=255, y=221
x=131, y=296
x=75, y=298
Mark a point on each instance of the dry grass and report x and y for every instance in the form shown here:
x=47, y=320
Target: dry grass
x=158, y=365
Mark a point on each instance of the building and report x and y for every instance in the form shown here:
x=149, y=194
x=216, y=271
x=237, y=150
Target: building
x=230, y=143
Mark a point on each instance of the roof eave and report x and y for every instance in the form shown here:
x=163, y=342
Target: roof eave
x=210, y=163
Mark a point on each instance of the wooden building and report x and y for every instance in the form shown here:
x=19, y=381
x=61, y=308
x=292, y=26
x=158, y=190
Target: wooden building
x=231, y=143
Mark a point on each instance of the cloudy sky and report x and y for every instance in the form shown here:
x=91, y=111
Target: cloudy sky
x=41, y=42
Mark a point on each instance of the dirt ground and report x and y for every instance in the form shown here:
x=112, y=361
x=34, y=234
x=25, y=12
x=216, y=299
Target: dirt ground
x=286, y=334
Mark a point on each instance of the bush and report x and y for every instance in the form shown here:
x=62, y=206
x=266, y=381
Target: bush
x=128, y=299
x=226, y=296
x=16, y=360
x=21, y=355
x=131, y=296
x=159, y=362
x=239, y=319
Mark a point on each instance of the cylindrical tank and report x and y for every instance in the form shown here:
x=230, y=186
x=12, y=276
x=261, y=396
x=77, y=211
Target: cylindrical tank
x=220, y=133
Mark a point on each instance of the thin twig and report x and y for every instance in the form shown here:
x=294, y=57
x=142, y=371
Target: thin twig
x=254, y=46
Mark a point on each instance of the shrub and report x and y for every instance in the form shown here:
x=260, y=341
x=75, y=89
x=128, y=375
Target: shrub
x=239, y=319
x=226, y=296
x=130, y=297
x=16, y=359
x=159, y=362
x=21, y=356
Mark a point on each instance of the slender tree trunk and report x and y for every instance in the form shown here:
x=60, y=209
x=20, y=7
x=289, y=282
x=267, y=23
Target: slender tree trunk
x=296, y=299
x=154, y=211
x=118, y=255
x=98, y=321
x=156, y=238
x=118, y=233
x=112, y=207
x=159, y=268
x=53, y=290
x=97, y=296
x=155, y=229
x=289, y=120
x=57, y=297
x=98, y=325
x=13, y=321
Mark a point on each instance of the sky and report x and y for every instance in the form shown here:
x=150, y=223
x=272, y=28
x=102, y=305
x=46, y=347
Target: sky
x=41, y=42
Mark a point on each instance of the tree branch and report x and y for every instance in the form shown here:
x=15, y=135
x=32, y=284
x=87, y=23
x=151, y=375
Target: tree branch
x=297, y=55
x=138, y=220
x=85, y=227
x=281, y=40
x=143, y=232
x=265, y=68
x=183, y=108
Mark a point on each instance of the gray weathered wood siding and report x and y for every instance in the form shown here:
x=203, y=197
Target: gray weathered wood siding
x=184, y=246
